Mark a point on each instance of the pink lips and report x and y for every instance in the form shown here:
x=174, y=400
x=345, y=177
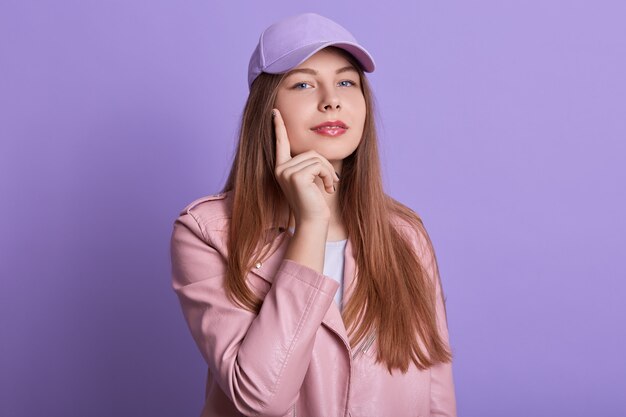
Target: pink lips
x=331, y=128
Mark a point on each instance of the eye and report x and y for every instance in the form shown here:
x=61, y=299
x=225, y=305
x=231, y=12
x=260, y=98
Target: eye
x=300, y=86
x=346, y=83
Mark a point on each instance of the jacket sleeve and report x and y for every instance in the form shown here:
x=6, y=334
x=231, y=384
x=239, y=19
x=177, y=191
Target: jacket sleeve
x=442, y=396
x=259, y=361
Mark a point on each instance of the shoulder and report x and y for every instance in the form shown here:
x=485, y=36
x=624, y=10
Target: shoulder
x=210, y=211
x=409, y=224
x=403, y=218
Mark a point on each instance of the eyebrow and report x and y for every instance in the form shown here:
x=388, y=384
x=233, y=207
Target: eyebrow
x=313, y=72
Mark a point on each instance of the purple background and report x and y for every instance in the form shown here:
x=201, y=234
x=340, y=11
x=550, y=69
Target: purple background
x=502, y=123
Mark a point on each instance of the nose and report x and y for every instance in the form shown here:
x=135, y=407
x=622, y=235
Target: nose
x=330, y=101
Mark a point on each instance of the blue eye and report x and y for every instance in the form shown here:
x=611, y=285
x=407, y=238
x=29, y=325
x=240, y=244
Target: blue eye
x=346, y=81
x=298, y=86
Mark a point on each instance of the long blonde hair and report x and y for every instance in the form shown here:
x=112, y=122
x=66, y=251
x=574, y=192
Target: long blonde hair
x=393, y=295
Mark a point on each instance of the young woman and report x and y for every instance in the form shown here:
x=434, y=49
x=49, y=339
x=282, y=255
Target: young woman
x=307, y=289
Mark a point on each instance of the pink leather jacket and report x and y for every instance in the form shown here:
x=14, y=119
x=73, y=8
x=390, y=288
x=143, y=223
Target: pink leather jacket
x=293, y=358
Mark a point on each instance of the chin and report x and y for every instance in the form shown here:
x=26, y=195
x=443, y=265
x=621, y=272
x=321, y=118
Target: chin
x=334, y=149
x=335, y=154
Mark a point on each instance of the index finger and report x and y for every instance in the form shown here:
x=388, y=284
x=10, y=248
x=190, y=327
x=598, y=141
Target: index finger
x=283, y=150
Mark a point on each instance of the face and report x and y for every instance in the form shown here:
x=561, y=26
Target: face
x=324, y=88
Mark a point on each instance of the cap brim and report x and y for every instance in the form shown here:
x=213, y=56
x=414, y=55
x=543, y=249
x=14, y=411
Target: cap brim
x=295, y=58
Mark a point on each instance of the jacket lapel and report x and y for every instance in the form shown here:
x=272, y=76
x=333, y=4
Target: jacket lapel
x=267, y=270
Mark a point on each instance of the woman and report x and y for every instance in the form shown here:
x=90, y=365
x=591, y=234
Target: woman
x=308, y=290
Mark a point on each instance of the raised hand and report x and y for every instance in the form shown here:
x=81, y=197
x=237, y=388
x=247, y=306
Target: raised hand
x=303, y=178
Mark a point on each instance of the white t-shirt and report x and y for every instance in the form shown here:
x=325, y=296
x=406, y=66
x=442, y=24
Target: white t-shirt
x=333, y=264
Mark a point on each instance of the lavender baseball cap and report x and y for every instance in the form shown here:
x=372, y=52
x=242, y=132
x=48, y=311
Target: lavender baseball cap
x=291, y=41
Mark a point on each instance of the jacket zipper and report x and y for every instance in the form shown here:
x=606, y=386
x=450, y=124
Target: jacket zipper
x=294, y=411
x=363, y=347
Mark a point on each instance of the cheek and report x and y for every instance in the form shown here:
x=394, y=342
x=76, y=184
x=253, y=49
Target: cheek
x=362, y=112
x=358, y=107
x=300, y=144
x=363, y=108
x=293, y=123
x=295, y=119
x=292, y=114
x=296, y=135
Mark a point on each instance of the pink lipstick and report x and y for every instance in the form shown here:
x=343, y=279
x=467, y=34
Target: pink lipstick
x=331, y=128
